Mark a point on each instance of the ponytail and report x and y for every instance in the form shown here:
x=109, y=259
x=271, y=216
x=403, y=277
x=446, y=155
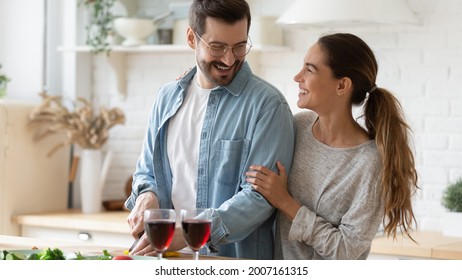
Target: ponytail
x=385, y=123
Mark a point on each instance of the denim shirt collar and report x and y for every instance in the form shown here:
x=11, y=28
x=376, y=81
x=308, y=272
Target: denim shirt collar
x=235, y=87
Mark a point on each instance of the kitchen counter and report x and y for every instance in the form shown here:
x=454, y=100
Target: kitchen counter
x=111, y=229
x=107, y=229
x=430, y=245
x=25, y=243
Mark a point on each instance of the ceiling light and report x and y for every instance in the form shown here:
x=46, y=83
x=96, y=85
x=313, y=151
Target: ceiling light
x=347, y=12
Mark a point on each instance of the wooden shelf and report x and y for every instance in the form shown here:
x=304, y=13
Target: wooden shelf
x=163, y=49
x=117, y=56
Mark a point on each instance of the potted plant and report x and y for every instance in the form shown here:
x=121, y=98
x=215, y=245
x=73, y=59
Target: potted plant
x=3, y=83
x=100, y=28
x=452, y=201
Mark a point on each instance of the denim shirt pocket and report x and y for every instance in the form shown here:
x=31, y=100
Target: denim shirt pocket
x=231, y=158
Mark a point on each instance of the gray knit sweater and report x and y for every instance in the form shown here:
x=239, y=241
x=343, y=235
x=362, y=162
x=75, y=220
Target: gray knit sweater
x=340, y=196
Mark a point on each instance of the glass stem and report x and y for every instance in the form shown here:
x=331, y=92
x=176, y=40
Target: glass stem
x=159, y=256
x=196, y=255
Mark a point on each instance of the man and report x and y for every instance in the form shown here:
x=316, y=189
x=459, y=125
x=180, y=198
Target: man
x=204, y=132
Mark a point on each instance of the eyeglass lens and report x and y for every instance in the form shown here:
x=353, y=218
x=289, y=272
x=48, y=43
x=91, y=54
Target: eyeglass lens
x=219, y=50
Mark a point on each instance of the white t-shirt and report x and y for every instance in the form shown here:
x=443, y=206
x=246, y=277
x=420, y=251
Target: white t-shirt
x=183, y=139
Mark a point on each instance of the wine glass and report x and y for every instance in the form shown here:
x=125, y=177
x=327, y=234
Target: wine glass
x=196, y=226
x=159, y=225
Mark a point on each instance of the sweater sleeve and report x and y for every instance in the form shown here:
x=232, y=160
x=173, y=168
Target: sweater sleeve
x=351, y=239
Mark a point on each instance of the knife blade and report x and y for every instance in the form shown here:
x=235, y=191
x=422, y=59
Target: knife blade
x=136, y=242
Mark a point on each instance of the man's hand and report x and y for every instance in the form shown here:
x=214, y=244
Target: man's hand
x=143, y=247
x=135, y=220
x=178, y=241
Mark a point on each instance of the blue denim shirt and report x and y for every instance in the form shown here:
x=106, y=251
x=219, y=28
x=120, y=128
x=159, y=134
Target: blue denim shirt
x=246, y=122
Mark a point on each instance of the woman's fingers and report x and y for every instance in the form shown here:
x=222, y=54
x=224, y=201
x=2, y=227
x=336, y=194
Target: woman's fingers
x=282, y=169
x=255, y=181
x=260, y=168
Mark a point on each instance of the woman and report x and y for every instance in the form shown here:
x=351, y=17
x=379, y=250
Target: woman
x=346, y=179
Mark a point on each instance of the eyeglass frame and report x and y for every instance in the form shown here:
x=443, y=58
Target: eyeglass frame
x=225, y=47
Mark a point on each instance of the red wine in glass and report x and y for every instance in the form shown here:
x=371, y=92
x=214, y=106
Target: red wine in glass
x=159, y=226
x=196, y=226
x=196, y=232
x=160, y=234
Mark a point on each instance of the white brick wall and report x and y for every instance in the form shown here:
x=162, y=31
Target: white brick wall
x=421, y=64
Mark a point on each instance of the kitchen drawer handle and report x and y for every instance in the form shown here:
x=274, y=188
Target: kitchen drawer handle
x=84, y=236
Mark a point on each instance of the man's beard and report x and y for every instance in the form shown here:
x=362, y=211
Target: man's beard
x=207, y=68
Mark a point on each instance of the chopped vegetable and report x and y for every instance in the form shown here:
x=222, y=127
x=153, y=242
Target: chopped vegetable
x=171, y=254
x=46, y=254
x=3, y=254
x=79, y=256
x=55, y=254
x=105, y=256
x=33, y=257
x=15, y=256
x=6, y=255
x=122, y=257
x=50, y=254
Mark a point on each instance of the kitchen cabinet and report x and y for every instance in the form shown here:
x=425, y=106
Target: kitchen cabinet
x=30, y=180
x=104, y=229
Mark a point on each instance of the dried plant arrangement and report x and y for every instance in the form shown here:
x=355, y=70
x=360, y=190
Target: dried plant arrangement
x=83, y=126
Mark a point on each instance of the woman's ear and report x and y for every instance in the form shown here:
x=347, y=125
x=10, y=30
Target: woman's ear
x=344, y=86
x=191, y=38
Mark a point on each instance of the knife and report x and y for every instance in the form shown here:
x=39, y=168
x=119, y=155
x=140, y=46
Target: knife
x=136, y=242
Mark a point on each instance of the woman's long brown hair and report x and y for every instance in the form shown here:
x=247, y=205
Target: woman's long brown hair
x=349, y=56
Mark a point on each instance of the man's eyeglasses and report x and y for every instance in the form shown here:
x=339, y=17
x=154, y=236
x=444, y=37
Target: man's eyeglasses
x=219, y=50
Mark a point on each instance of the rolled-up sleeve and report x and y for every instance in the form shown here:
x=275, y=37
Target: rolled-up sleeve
x=273, y=140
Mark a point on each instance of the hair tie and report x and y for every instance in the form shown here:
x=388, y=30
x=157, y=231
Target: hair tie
x=372, y=89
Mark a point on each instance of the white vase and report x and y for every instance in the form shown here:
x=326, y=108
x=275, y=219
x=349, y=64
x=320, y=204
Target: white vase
x=93, y=173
